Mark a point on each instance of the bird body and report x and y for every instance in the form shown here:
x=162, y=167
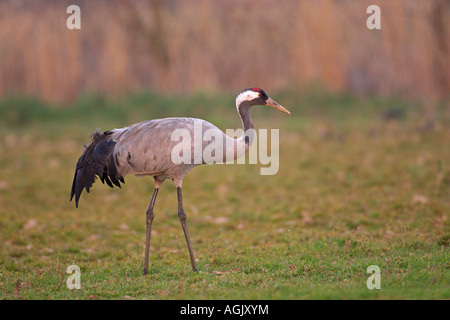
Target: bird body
x=148, y=148
x=151, y=161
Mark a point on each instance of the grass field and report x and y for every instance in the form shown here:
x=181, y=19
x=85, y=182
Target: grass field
x=361, y=182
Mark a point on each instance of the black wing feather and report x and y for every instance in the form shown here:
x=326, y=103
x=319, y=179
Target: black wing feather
x=97, y=160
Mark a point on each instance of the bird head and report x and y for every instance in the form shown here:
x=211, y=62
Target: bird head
x=256, y=96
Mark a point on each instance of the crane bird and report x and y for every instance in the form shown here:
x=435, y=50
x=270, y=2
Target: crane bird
x=145, y=149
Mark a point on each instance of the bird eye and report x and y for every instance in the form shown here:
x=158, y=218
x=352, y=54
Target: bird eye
x=260, y=95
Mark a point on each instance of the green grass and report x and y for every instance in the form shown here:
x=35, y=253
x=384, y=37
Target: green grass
x=361, y=182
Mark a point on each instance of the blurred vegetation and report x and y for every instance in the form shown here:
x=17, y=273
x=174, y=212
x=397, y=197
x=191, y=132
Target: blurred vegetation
x=311, y=103
x=364, y=173
x=361, y=182
x=182, y=47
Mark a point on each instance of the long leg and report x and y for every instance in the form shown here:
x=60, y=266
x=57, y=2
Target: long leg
x=149, y=216
x=182, y=217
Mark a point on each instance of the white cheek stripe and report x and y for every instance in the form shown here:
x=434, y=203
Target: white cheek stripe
x=246, y=96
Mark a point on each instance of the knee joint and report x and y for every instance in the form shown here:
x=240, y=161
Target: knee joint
x=150, y=214
x=182, y=215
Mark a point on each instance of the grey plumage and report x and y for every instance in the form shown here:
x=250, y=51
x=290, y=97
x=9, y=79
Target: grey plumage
x=95, y=161
x=134, y=150
x=145, y=148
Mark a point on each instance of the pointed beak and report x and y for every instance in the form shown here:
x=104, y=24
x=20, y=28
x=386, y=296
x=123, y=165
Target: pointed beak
x=272, y=103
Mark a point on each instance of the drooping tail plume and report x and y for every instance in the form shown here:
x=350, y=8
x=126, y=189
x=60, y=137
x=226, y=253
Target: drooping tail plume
x=97, y=160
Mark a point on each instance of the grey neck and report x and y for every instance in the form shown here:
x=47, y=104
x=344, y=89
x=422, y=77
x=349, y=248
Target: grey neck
x=244, y=112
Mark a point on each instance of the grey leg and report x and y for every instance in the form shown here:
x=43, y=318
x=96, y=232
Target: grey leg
x=182, y=217
x=149, y=215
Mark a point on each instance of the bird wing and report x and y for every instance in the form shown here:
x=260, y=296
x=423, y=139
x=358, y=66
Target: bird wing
x=145, y=148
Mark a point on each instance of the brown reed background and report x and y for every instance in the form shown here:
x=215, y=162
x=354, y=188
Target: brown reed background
x=177, y=46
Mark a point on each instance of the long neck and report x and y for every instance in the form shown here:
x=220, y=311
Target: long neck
x=249, y=129
x=244, y=112
x=236, y=148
